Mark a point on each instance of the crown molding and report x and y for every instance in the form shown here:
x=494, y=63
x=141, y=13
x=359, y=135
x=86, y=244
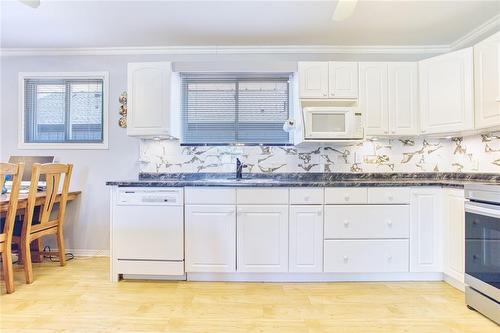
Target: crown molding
x=470, y=38
x=489, y=27
x=258, y=49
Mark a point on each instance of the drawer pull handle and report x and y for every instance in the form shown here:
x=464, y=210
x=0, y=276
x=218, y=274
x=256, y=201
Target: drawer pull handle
x=346, y=259
x=346, y=223
x=347, y=198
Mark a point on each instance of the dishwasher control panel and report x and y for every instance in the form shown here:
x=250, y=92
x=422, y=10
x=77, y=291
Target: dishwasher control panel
x=150, y=196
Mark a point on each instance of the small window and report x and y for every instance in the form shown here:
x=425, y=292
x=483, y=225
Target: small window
x=62, y=111
x=235, y=109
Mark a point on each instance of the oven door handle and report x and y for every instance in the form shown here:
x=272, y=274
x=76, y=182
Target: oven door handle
x=480, y=209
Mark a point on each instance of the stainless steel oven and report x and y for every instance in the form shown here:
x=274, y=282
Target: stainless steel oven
x=482, y=249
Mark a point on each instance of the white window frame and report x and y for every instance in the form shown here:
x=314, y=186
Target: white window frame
x=22, y=144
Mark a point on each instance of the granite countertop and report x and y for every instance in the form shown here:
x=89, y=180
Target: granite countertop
x=457, y=180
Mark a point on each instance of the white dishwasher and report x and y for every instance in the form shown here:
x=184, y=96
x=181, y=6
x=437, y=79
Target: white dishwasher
x=148, y=231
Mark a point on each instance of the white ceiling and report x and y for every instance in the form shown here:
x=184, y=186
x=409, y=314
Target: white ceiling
x=74, y=24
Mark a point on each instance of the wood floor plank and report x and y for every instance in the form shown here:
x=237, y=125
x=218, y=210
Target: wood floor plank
x=86, y=301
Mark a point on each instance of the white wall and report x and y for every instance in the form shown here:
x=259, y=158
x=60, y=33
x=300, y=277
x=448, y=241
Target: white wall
x=88, y=218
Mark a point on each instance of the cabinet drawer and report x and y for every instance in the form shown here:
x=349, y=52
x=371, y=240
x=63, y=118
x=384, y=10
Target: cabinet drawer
x=306, y=196
x=262, y=196
x=210, y=196
x=388, y=195
x=366, y=256
x=356, y=195
x=367, y=221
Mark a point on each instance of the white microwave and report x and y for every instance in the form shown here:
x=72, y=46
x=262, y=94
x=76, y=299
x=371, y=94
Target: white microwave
x=332, y=123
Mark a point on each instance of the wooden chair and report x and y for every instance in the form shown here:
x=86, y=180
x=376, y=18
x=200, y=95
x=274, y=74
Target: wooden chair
x=16, y=171
x=35, y=228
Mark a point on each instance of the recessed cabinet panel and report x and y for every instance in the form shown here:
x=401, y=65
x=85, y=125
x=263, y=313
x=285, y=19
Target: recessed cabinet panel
x=149, y=92
x=366, y=256
x=306, y=239
x=210, y=238
x=446, y=93
x=487, y=82
x=262, y=238
x=403, y=98
x=373, y=84
x=343, y=79
x=313, y=79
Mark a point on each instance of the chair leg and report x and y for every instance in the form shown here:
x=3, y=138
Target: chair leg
x=28, y=267
x=8, y=272
x=60, y=246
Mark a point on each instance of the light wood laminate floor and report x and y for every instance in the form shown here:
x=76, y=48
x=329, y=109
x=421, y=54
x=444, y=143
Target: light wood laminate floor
x=79, y=298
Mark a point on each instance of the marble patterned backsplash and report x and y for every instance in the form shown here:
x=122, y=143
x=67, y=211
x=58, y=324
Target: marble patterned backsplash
x=478, y=153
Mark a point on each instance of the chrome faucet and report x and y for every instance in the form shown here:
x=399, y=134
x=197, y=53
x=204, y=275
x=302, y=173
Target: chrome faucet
x=239, y=169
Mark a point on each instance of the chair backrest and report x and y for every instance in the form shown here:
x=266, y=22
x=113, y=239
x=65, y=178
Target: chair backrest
x=16, y=171
x=53, y=173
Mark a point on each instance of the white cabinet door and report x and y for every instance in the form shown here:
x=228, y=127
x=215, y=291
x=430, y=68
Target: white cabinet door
x=262, y=238
x=403, y=98
x=454, y=234
x=210, y=238
x=306, y=239
x=446, y=93
x=425, y=230
x=487, y=82
x=148, y=89
x=373, y=97
x=343, y=79
x=313, y=79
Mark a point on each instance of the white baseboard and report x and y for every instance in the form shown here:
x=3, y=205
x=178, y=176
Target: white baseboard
x=314, y=277
x=460, y=285
x=86, y=253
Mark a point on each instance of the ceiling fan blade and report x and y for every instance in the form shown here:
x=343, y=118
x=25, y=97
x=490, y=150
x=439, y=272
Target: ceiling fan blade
x=31, y=3
x=344, y=9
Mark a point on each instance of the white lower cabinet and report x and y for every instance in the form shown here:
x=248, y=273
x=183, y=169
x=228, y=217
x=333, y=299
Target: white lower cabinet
x=210, y=238
x=454, y=234
x=262, y=238
x=306, y=238
x=425, y=230
x=366, y=256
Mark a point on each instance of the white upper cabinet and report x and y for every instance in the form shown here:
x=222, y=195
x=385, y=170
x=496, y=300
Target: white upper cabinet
x=322, y=79
x=446, y=93
x=486, y=80
x=403, y=98
x=373, y=84
x=343, y=79
x=313, y=79
x=149, y=99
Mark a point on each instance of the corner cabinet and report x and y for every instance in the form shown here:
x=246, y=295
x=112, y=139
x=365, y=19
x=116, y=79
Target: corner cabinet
x=426, y=230
x=328, y=79
x=487, y=82
x=454, y=234
x=447, y=93
x=149, y=90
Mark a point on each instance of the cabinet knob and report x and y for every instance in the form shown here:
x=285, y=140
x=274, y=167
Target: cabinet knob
x=306, y=198
x=390, y=198
x=423, y=131
x=346, y=223
x=347, y=198
x=389, y=258
x=389, y=223
x=393, y=132
x=346, y=259
x=325, y=95
x=386, y=132
x=320, y=213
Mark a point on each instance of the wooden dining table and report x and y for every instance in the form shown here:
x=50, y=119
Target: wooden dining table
x=23, y=200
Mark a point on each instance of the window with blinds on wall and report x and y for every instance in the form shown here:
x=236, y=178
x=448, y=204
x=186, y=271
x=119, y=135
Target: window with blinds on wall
x=63, y=110
x=235, y=109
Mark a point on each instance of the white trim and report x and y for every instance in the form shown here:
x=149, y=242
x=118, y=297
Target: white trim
x=460, y=285
x=313, y=277
x=85, y=252
x=239, y=49
x=67, y=75
x=492, y=25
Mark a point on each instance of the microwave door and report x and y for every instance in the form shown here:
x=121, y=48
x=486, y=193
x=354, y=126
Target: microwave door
x=325, y=125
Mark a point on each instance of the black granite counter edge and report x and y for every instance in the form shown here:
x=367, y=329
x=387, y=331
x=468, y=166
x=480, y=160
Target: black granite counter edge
x=452, y=184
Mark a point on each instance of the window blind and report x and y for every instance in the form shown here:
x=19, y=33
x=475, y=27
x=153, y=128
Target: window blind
x=235, y=109
x=63, y=110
